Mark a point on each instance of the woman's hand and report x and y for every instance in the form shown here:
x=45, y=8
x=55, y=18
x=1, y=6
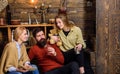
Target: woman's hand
x=27, y=66
x=21, y=70
x=79, y=47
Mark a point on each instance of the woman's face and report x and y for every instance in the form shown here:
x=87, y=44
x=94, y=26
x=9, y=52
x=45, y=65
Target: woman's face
x=59, y=23
x=24, y=36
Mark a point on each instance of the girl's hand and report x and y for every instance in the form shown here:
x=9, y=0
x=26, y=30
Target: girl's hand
x=79, y=47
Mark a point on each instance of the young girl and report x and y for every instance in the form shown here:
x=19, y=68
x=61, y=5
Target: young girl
x=72, y=41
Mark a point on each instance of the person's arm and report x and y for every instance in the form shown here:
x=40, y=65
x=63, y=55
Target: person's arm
x=31, y=53
x=8, y=58
x=12, y=69
x=80, y=40
x=16, y=69
x=58, y=56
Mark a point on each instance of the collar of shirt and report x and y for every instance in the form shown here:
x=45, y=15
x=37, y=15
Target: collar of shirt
x=72, y=28
x=18, y=47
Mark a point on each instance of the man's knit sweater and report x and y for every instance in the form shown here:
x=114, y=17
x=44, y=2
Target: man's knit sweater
x=46, y=62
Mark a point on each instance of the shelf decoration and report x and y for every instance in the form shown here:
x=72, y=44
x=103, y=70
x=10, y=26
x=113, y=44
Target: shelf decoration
x=42, y=10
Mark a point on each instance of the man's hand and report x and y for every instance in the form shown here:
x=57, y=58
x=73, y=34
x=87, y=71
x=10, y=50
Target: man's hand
x=50, y=51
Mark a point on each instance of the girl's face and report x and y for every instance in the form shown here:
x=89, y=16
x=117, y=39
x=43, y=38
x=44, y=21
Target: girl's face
x=59, y=23
x=24, y=36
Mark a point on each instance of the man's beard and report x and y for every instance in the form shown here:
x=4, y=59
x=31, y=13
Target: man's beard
x=41, y=43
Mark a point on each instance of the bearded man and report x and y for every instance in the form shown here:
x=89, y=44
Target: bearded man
x=49, y=57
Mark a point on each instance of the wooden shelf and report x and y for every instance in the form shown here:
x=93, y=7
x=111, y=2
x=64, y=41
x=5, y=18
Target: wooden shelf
x=29, y=25
x=9, y=28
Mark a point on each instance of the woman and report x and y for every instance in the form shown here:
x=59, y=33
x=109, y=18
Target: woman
x=14, y=59
x=72, y=41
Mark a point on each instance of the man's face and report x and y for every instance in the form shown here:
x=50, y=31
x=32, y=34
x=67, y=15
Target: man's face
x=40, y=35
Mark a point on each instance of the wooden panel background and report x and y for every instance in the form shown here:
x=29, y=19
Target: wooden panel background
x=108, y=36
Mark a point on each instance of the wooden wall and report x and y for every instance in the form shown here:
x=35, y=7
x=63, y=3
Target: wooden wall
x=108, y=36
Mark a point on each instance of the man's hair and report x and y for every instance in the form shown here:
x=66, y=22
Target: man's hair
x=36, y=30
